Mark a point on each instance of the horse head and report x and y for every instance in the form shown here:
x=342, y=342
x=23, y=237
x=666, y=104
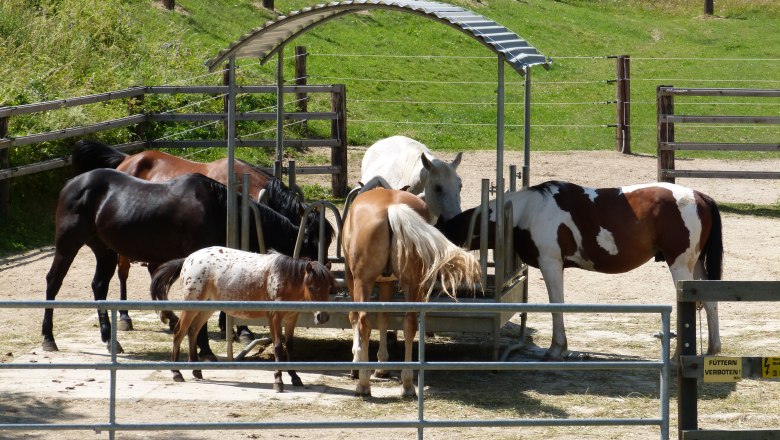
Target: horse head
x=442, y=186
x=318, y=284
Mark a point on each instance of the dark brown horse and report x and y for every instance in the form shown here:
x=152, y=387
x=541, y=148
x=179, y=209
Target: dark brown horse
x=154, y=222
x=223, y=274
x=387, y=237
x=157, y=166
x=610, y=230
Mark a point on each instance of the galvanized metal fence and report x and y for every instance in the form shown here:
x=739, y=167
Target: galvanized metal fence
x=113, y=425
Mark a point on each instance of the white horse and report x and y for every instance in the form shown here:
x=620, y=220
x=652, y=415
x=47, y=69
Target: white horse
x=404, y=162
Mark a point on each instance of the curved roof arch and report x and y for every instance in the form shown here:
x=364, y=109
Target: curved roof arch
x=263, y=42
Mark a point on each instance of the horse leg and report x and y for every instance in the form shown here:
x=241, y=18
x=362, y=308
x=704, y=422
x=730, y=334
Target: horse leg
x=407, y=375
x=123, y=272
x=203, y=343
x=711, y=307
x=105, y=266
x=289, y=331
x=182, y=328
x=192, y=335
x=382, y=321
x=361, y=332
x=552, y=273
x=54, y=278
x=275, y=326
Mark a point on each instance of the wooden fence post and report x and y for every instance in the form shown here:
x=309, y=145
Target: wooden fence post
x=301, y=98
x=134, y=105
x=623, y=105
x=665, y=106
x=268, y=4
x=338, y=130
x=709, y=7
x=169, y=4
x=5, y=184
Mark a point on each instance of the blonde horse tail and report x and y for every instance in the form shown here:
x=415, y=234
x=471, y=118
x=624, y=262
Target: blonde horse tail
x=419, y=247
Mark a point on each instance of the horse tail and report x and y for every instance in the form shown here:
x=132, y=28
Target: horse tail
x=712, y=253
x=415, y=243
x=89, y=155
x=164, y=277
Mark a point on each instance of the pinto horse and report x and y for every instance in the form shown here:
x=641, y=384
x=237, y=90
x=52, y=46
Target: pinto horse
x=154, y=222
x=387, y=237
x=157, y=166
x=610, y=230
x=405, y=163
x=223, y=274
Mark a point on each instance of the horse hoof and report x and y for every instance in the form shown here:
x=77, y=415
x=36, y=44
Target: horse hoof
x=297, y=382
x=354, y=374
x=362, y=391
x=381, y=374
x=124, y=325
x=208, y=357
x=278, y=387
x=119, y=348
x=197, y=374
x=409, y=394
x=49, y=345
x=177, y=377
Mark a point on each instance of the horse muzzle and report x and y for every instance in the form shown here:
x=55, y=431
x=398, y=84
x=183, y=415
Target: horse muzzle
x=321, y=317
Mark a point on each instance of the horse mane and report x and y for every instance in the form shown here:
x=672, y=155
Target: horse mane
x=277, y=228
x=295, y=269
x=87, y=155
x=257, y=169
x=284, y=200
x=545, y=189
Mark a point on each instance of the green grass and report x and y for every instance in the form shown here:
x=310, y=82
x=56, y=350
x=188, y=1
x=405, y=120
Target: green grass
x=404, y=74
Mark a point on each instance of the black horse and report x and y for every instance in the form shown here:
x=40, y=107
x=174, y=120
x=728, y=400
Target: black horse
x=114, y=213
x=157, y=166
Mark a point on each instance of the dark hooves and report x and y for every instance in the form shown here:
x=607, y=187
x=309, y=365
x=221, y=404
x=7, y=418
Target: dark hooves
x=125, y=325
x=278, y=387
x=177, y=376
x=49, y=345
x=119, y=348
x=197, y=374
x=297, y=382
x=208, y=357
x=354, y=374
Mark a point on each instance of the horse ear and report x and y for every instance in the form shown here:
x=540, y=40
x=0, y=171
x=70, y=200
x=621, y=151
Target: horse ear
x=309, y=267
x=425, y=161
x=456, y=162
x=327, y=265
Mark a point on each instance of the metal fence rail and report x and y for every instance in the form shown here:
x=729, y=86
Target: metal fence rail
x=420, y=423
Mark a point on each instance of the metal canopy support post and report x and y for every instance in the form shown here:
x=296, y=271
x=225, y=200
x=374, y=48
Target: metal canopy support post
x=499, y=248
x=527, y=128
x=279, y=112
x=232, y=200
x=232, y=212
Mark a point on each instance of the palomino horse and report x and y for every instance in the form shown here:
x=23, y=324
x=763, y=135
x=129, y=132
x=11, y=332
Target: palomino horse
x=404, y=162
x=387, y=237
x=157, y=166
x=223, y=274
x=155, y=222
x=611, y=230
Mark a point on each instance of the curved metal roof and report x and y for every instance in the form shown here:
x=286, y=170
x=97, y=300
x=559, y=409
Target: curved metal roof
x=265, y=41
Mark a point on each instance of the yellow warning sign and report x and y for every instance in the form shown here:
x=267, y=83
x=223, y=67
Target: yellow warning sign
x=722, y=369
x=770, y=367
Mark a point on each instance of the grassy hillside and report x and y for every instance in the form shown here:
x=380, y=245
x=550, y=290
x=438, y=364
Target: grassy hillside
x=404, y=74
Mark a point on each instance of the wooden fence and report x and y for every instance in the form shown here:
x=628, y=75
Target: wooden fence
x=666, y=132
x=138, y=119
x=692, y=368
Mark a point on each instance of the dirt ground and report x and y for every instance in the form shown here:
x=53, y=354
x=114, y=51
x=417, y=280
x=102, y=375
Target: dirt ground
x=752, y=246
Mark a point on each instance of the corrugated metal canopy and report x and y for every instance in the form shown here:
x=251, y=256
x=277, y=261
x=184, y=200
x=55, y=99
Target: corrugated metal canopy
x=266, y=40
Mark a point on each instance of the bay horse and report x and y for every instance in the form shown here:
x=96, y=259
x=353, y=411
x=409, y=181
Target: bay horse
x=387, y=236
x=406, y=163
x=224, y=274
x=610, y=230
x=157, y=166
x=114, y=213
